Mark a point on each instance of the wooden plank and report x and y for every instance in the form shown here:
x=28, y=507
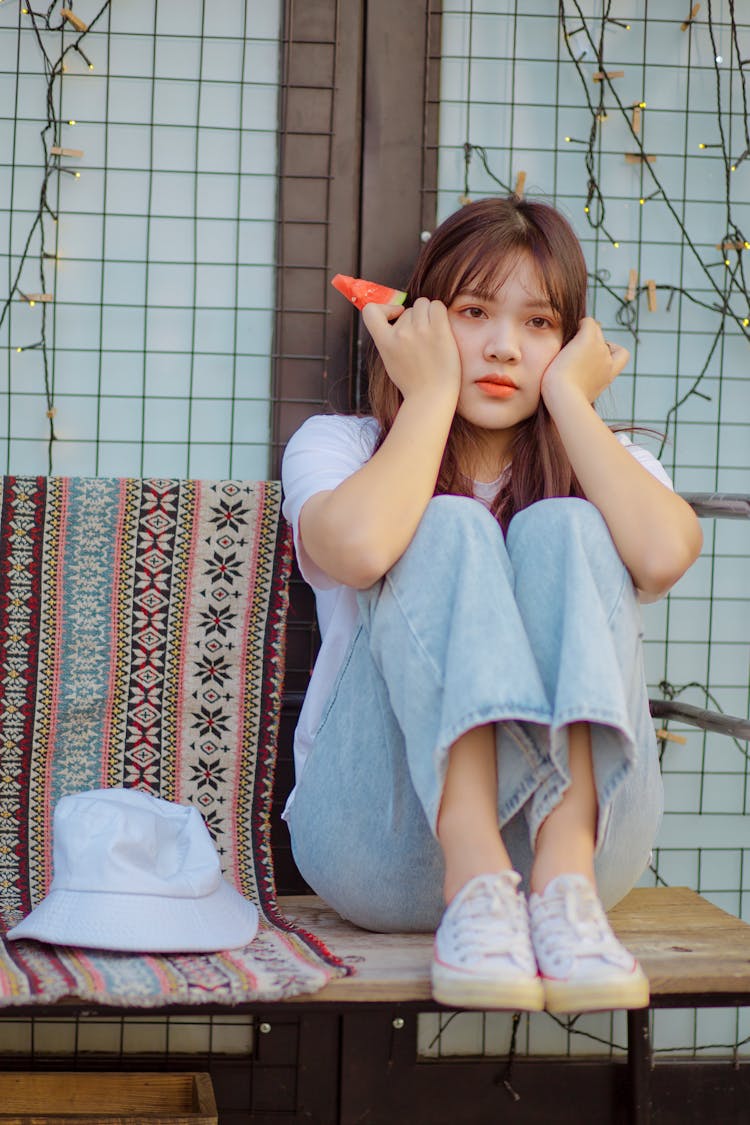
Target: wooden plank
x=387, y=966
x=685, y=944
x=392, y=139
x=37, y=1098
x=321, y=123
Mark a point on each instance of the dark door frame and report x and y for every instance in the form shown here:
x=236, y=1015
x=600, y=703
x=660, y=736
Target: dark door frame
x=357, y=157
x=357, y=186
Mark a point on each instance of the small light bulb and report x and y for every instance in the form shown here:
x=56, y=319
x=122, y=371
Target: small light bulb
x=91, y=66
x=77, y=175
x=627, y=27
x=727, y=262
x=747, y=245
x=567, y=140
x=734, y=168
x=72, y=121
x=720, y=59
x=641, y=201
x=19, y=349
x=586, y=210
x=616, y=245
x=701, y=145
x=642, y=105
x=745, y=324
x=31, y=304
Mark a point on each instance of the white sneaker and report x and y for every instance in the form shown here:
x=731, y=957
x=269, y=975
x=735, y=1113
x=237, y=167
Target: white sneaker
x=584, y=967
x=483, y=956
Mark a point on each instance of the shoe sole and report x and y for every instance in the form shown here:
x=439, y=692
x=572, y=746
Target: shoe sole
x=507, y=995
x=577, y=996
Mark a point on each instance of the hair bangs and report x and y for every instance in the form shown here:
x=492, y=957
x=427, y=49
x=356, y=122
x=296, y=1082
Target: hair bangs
x=483, y=260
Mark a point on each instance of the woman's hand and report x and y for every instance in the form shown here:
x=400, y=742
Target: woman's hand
x=355, y=532
x=657, y=534
x=588, y=363
x=416, y=345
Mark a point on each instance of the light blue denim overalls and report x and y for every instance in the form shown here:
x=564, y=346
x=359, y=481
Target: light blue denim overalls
x=531, y=632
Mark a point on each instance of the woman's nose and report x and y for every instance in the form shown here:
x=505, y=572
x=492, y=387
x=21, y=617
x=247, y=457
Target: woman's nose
x=502, y=343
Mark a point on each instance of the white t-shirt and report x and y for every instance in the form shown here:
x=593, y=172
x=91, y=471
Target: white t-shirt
x=323, y=452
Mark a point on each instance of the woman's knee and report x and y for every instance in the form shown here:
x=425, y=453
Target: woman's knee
x=451, y=517
x=558, y=514
x=455, y=532
x=456, y=537
x=563, y=526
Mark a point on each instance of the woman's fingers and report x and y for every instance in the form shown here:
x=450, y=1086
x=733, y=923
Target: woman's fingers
x=377, y=320
x=419, y=349
x=423, y=314
x=619, y=355
x=588, y=361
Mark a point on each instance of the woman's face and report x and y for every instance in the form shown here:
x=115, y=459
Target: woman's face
x=506, y=342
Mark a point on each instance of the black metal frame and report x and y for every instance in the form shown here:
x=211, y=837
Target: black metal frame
x=357, y=1064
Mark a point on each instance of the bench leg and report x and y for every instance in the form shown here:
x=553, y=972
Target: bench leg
x=639, y=1066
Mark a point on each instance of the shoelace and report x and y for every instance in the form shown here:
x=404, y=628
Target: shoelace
x=576, y=916
x=475, y=929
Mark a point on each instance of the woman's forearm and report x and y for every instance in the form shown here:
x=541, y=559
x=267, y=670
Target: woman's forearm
x=656, y=532
x=357, y=531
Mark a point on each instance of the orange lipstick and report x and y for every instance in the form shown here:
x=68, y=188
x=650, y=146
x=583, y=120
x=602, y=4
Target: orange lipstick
x=497, y=388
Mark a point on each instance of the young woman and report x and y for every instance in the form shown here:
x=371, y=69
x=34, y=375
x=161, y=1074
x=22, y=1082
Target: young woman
x=477, y=729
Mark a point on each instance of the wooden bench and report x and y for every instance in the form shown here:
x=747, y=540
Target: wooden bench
x=688, y=948
x=693, y=953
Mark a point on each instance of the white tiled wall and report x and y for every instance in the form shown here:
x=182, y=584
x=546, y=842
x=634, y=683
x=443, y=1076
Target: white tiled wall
x=160, y=333
x=510, y=88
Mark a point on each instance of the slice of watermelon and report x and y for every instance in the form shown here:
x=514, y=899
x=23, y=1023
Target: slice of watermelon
x=361, y=292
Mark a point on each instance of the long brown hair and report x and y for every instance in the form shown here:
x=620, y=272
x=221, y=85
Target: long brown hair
x=477, y=248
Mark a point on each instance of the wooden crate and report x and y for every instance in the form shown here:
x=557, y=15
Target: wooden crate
x=65, y=1097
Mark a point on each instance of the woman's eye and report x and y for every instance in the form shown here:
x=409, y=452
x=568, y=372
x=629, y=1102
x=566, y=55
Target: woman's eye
x=474, y=312
x=540, y=322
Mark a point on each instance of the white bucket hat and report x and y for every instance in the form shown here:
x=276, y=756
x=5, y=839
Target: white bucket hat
x=135, y=873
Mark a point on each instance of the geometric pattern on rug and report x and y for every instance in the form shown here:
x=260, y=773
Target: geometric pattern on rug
x=142, y=629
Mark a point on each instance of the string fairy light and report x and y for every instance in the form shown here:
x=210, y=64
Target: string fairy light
x=54, y=69
x=732, y=289
x=579, y=43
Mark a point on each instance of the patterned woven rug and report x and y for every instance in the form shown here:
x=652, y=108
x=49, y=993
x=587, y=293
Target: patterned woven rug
x=142, y=628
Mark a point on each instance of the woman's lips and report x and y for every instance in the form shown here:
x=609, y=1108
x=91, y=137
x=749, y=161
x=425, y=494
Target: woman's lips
x=497, y=388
